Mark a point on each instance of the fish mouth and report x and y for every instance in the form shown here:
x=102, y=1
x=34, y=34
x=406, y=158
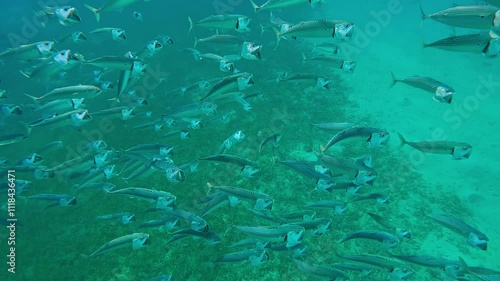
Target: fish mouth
x=82, y=37
x=72, y=202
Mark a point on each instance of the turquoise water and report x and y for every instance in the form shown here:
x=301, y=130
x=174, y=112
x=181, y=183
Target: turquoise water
x=51, y=242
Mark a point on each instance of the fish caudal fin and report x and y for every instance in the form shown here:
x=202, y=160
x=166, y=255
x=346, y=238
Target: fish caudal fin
x=190, y=25
x=195, y=42
x=35, y=99
x=394, y=80
x=402, y=139
x=24, y=74
x=254, y=6
x=422, y=13
x=278, y=37
x=95, y=11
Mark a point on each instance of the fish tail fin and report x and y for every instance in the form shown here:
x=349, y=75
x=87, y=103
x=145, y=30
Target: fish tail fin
x=210, y=187
x=402, y=139
x=422, y=13
x=254, y=6
x=304, y=58
x=318, y=153
x=35, y=99
x=261, y=26
x=24, y=74
x=117, y=99
x=394, y=80
x=322, y=148
x=95, y=11
x=195, y=42
x=278, y=37
x=190, y=25
x=463, y=264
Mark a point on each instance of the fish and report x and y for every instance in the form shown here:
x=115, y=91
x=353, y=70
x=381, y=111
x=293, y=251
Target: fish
x=459, y=150
x=263, y=201
x=478, y=43
x=160, y=149
x=336, y=29
x=334, y=125
x=387, y=239
x=144, y=193
x=272, y=139
x=239, y=23
x=168, y=223
x=374, y=136
x=13, y=138
x=58, y=106
x=197, y=223
x=111, y=5
x=66, y=15
x=29, y=52
x=319, y=225
x=473, y=16
x=49, y=147
x=325, y=272
x=161, y=278
x=240, y=81
x=248, y=168
x=363, y=163
x=310, y=169
x=335, y=62
x=97, y=175
x=321, y=82
x=442, y=92
x=112, y=62
x=474, y=237
x=138, y=240
x=62, y=200
x=401, y=232
x=43, y=72
x=219, y=39
x=117, y=34
x=193, y=110
x=73, y=92
x=271, y=5
x=376, y=260
x=216, y=200
x=124, y=218
x=482, y=276
x=338, y=206
x=364, y=269
x=77, y=37
x=255, y=256
x=428, y=261
x=381, y=198
x=75, y=118
x=292, y=233
x=210, y=236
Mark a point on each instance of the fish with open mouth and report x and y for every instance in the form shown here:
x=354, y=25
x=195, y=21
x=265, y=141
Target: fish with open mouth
x=29, y=52
x=248, y=168
x=459, y=150
x=138, y=240
x=473, y=16
x=64, y=15
x=442, y=92
x=239, y=23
